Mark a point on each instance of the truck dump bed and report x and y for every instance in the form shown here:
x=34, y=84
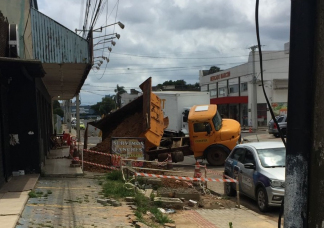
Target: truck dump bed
x=142, y=117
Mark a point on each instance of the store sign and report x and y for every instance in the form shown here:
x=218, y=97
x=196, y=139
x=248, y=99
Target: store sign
x=131, y=148
x=220, y=76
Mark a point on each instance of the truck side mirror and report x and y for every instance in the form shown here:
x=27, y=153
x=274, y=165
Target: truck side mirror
x=184, y=119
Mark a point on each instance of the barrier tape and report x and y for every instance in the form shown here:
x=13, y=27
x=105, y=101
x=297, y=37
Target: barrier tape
x=185, y=178
x=97, y=152
x=103, y=166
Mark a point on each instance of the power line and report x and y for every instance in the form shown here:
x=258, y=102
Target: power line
x=117, y=3
x=167, y=57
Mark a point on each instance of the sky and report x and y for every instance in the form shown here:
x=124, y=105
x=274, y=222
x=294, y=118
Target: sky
x=170, y=39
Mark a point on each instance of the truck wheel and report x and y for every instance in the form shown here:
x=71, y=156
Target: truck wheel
x=162, y=157
x=177, y=156
x=216, y=156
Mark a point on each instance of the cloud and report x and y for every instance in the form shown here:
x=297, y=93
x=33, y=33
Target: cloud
x=174, y=39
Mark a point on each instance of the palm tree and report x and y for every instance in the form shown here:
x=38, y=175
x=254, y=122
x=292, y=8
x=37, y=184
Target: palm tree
x=119, y=90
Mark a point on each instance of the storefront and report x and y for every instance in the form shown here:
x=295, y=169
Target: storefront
x=232, y=89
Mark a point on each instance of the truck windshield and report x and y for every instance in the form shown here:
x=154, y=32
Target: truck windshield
x=217, y=120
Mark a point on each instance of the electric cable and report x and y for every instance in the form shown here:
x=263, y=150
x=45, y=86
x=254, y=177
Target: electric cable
x=117, y=3
x=165, y=57
x=265, y=95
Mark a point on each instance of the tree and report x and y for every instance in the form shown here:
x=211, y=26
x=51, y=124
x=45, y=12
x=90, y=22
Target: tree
x=180, y=85
x=105, y=106
x=56, y=104
x=119, y=91
x=57, y=109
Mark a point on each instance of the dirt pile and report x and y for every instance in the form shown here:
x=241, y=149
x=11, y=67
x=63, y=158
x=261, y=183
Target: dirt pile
x=130, y=127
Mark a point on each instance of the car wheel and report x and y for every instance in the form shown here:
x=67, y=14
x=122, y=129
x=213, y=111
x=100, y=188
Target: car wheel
x=229, y=190
x=262, y=199
x=276, y=135
x=216, y=156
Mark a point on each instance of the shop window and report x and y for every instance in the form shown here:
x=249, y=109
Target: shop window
x=233, y=88
x=244, y=86
x=213, y=93
x=222, y=91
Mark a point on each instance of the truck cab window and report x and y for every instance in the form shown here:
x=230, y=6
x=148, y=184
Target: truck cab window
x=200, y=127
x=217, y=120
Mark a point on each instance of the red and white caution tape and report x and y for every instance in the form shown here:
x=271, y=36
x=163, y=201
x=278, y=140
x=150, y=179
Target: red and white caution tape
x=184, y=178
x=97, y=152
x=103, y=166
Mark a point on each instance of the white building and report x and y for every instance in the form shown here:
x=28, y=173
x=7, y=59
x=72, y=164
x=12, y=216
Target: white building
x=232, y=89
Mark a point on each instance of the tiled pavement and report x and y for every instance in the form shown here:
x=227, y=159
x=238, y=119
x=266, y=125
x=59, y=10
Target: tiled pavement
x=240, y=218
x=71, y=202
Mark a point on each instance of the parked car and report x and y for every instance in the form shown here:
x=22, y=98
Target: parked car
x=82, y=126
x=260, y=168
x=74, y=125
x=273, y=128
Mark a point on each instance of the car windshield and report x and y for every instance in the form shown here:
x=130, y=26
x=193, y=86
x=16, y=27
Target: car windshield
x=217, y=120
x=272, y=157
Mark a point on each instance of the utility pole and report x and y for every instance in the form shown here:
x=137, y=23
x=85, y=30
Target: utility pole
x=254, y=108
x=304, y=161
x=78, y=117
x=68, y=102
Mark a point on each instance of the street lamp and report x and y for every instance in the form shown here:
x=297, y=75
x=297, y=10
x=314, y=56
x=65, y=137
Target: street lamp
x=105, y=41
x=109, y=49
x=116, y=34
x=121, y=25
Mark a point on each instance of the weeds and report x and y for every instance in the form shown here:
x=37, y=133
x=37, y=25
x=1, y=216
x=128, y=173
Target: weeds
x=33, y=194
x=114, y=187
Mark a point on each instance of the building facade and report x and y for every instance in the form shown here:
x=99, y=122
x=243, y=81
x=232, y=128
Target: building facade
x=232, y=89
x=34, y=71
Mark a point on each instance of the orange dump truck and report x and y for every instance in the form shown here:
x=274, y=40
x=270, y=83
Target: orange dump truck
x=210, y=136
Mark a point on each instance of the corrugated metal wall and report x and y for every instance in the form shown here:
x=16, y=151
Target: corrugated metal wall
x=53, y=43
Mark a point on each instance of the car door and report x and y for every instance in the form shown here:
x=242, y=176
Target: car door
x=234, y=163
x=246, y=175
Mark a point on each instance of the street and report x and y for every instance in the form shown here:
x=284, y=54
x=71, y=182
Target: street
x=187, y=166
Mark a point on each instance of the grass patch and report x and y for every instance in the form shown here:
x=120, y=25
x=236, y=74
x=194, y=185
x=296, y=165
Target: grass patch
x=33, y=194
x=113, y=186
x=49, y=192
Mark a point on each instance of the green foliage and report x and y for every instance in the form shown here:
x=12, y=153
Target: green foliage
x=105, y=106
x=180, y=85
x=56, y=104
x=58, y=111
x=33, y=194
x=144, y=204
x=119, y=90
x=230, y=225
x=114, y=186
x=115, y=175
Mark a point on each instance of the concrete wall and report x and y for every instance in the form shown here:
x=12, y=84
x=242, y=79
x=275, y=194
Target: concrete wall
x=18, y=12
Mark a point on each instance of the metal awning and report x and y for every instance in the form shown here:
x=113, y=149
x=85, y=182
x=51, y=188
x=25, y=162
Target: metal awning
x=66, y=57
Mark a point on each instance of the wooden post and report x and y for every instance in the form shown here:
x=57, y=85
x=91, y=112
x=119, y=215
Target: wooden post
x=238, y=192
x=206, y=176
x=225, y=183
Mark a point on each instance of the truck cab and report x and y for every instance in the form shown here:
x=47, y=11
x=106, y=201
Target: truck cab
x=212, y=137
